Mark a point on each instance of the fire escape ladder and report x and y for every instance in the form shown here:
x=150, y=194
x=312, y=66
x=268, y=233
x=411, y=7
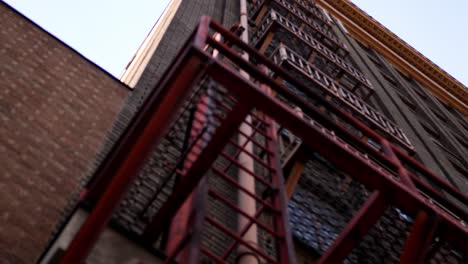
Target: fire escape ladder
x=270, y=218
x=203, y=104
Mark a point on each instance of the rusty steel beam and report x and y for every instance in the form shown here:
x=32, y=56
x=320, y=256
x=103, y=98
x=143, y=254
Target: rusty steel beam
x=187, y=249
x=173, y=252
x=123, y=163
x=431, y=176
x=293, y=178
x=302, y=103
x=253, y=220
x=151, y=122
x=257, y=74
x=420, y=238
x=192, y=254
x=309, y=109
x=356, y=229
x=196, y=172
x=179, y=227
x=285, y=253
x=439, y=197
x=103, y=175
x=402, y=172
x=360, y=169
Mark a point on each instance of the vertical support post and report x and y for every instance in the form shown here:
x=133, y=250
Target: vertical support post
x=286, y=246
x=179, y=228
x=192, y=256
x=356, y=229
x=420, y=238
x=187, y=250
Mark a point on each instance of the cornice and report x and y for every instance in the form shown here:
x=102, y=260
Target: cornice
x=409, y=60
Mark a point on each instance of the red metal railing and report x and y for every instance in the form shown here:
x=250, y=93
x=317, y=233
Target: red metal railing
x=334, y=43
x=271, y=209
x=272, y=19
x=380, y=170
x=285, y=57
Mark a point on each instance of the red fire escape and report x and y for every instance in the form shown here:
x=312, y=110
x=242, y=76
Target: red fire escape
x=217, y=99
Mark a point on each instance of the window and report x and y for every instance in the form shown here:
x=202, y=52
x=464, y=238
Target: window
x=463, y=142
x=408, y=102
x=390, y=79
x=363, y=46
x=405, y=76
x=460, y=169
x=375, y=60
x=449, y=152
x=398, y=88
x=429, y=129
x=421, y=94
x=441, y=117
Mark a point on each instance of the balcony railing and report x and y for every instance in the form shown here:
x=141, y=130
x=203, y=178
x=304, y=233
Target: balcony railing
x=335, y=44
x=273, y=17
x=436, y=219
x=310, y=10
x=285, y=55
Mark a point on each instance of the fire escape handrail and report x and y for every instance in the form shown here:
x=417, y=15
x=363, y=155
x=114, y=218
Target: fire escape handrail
x=313, y=11
x=273, y=17
x=457, y=227
x=312, y=24
x=348, y=98
x=307, y=108
x=192, y=63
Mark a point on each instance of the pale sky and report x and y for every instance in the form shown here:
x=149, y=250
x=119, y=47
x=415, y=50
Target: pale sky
x=109, y=32
x=438, y=29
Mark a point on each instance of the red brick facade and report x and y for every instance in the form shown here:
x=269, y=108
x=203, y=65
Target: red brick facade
x=55, y=110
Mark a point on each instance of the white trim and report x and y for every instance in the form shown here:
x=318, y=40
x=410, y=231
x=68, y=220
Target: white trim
x=136, y=66
x=340, y=24
x=327, y=15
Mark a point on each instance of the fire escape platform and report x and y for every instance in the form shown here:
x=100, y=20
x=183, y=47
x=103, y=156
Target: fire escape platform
x=295, y=14
x=275, y=29
x=198, y=107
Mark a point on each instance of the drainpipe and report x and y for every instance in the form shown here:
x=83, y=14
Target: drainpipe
x=246, y=203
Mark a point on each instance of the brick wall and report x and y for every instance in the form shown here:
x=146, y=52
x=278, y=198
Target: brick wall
x=55, y=109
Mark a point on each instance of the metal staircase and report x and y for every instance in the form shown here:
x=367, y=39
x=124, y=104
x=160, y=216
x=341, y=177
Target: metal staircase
x=192, y=213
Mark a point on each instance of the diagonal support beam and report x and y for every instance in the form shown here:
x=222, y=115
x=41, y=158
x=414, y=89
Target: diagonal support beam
x=285, y=246
x=180, y=225
x=196, y=171
x=293, y=178
x=329, y=145
x=402, y=172
x=119, y=169
x=420, y=238
x=356, y=229
x=293, y=166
